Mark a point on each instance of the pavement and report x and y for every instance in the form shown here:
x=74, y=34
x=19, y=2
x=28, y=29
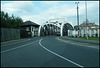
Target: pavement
x=79, y=40
x=12, y=42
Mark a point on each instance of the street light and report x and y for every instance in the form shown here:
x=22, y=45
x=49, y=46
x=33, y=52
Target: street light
x=86, y=20
x=77, y=17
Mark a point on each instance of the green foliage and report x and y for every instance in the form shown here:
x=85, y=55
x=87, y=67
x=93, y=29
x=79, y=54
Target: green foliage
x=75, y=26
x=10, y=22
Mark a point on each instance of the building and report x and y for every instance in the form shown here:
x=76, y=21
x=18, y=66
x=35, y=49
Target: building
x=91, y=26
x=29, y=29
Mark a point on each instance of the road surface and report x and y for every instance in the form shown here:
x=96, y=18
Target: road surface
x=49, y=51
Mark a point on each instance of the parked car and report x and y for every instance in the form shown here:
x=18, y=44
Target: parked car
x=55, y=33
x=58, y=34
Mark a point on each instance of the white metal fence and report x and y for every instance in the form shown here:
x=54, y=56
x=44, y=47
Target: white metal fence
x=82, y=33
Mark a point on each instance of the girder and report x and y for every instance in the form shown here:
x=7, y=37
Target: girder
x=50, y=29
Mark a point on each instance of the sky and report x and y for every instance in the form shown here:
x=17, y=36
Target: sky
x=42, y=11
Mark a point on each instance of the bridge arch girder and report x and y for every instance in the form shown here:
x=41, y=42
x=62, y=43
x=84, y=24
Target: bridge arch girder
x=65, y=27
x=49, y=29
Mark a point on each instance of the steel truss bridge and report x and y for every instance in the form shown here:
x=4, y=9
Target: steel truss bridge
x=50, y=28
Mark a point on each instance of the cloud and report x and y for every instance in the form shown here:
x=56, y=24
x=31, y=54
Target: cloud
x=92, y=11
x=60, y=11
x=49, y=2
x=18, y=7
x=35, y=18
x=40, y=13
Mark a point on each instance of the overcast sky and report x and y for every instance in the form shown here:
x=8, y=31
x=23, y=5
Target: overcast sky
x=41, y=11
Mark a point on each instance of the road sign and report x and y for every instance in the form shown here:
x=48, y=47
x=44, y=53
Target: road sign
x=86, y=25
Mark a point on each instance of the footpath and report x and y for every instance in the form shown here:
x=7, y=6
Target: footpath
x=11, y=42
x=79, y=40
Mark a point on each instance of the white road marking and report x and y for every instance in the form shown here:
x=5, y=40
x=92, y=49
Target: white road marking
x=17, y=47
x=59, y=55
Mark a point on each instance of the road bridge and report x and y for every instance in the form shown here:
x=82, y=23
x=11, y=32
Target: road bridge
x=50, y=28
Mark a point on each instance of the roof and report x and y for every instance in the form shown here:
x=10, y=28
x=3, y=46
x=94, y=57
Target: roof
x=30, y=23
x=89, y=24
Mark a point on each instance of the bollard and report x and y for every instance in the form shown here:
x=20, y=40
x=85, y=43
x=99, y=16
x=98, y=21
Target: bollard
x=98, y=32
x=94, y=33
x=82, y=33
x=89, y=33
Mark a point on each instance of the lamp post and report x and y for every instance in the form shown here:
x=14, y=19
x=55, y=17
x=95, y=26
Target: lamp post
x=86, y=20
x=77, y=17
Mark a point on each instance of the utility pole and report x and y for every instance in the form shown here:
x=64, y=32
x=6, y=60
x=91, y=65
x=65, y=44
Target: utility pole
x=77, y=17
x=86, y=20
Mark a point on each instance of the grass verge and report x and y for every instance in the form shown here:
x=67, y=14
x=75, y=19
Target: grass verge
x=90, y=38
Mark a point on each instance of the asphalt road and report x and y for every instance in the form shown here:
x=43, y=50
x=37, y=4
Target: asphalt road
x=49, y=52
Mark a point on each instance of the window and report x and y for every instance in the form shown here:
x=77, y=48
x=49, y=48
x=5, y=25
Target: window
x=27, y=28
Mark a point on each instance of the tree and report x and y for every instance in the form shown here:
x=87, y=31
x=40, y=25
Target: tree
x=76, y=27
x=10, y=22
x=3, y=20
